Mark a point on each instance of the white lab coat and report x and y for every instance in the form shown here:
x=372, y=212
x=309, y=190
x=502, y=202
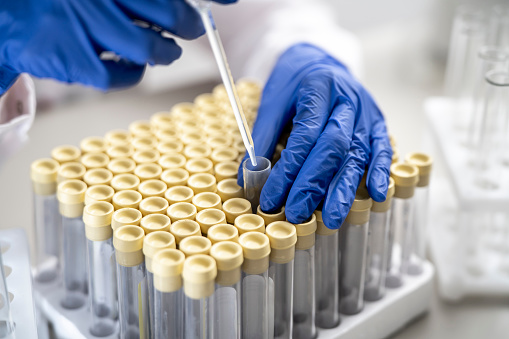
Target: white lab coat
x=254, y=33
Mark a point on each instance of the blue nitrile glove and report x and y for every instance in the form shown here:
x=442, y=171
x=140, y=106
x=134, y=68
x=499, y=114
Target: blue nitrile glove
x=338, y=130
x=63, y=39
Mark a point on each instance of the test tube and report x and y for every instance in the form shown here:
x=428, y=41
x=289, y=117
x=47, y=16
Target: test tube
x=7, y=326
x=47, y=221
x=199, y=165
x=177, y=194
x=378, y=247
x=65, y=154
x=93, y=145
x=99, y=193
x=131, y=281
x=194, y=245
x=102, y=277
x=71, y=197
x=234, y=207
x=148, y=171
x=254, y=179
x=228, y=188
x=70, y=170
x=226, y=315
x=121, y=165
x=223, y=232
x=184, y=228
x=175, y=177
x=210, y=217
x=249, y=223
x=118, y=137
x=125, y=182
x=207, y=200
x=168, y=295
x=98, y=176
x=153, y=243
x=255, y=285
x=304, y=281
x=405, y=178
x=282, y=237
x=326, y=274
x=424, y=163
x=226, y=170
x=271, y=217
x=124, y=217
x=199, y=274
x=353, y=246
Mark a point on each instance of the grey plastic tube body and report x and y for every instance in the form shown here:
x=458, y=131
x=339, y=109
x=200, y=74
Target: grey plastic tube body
x=149, y=292
x=198, y=318
x=304, y=294
x=48, y=236
x=133, y=312
x=327, y=280
x=377, y=254
x=74, y=262
x=7, y=326
x=102, y=287
x=353, y=246
x=254, y=179
x=226, y=312
x=255, y=305
x=418, y=237
x=281, y=277
x=169, y=315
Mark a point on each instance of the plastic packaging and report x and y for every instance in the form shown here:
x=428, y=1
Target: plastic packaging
x=255, y=177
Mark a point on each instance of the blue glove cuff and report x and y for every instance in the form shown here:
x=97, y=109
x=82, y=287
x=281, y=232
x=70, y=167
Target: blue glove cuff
x=7, y=78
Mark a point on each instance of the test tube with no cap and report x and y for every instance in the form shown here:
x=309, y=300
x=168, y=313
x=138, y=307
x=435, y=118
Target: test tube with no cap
x=282, y=236
x=71, y=197
x=131, y=280
x=254, y=179
x=102, y=279
x=7, y=325
x=326, y=274
x=199, y=274
x=227, y=296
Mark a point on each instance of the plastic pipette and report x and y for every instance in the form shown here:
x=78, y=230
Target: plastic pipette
x=203, y=8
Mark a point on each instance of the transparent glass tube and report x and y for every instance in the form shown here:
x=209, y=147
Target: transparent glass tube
x=7, y=326
x=74, y=265
x=132, y=306
x=377, y=253
x=151, y=304
x=499, y=26
x=353, y=245
x=169, y=315
x=48, y=236
x=304, y=294
x=327, y=280
x=198, y=317
x=226, y=313
x=281, y=276
x=255, y=305
x=254, y=179
x=102, y=287
x=418, y=236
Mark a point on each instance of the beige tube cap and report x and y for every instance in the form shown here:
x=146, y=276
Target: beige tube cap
x=189, y=138
x=95, y=160
x=97, y=218
x=93, y=145
x=71, y=171
x=199, y=274
x=99, y=193
x=210, y=217
x=250, y=223
x=152, y=188
x=229, y=258
x=124, y=182
x=282, y=237
x=306, y=233
x=424, y=163
x=128, y=243
x=199, y=165
x=185, y=228
x=118, y=137
x=384, y=206
x=172, y=160
x=126, y=199
x=178, y=194
x=194, y=151
x=181, y=211
x=202, y=182
x=141, y=143
x=43, y=173
x=153, y=205
x=120, y=151
x=71, y=197
x=235, y=207
x=140, y=128
x=226, y=170
x=270, y=218
x=168, y=265
x=228, y=189
x=121, y=166
x=124, y=217
x=170, y=146
x=406, y=177
x=359, y=212
x=256, y=250
x=65, y=153
x=148, y=171
x=321, y=228
x=161, y=120
x=216, y=141
x=224, y=154
x=223, y=232
x=395, y=155
x=207, y=200
x=146, y=156
x=195, y=245
x=155, y=222
x=155, y=242
x=167, y=134
x=98, y=176
x=175, y=177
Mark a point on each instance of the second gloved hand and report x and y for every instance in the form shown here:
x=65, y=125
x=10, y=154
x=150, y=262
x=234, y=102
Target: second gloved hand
x=337, y=131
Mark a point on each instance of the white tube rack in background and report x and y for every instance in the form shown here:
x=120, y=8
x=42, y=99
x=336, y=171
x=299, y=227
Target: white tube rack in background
x=16, y=256
x=468, y=233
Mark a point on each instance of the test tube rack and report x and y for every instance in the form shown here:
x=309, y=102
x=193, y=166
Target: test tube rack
x=16, y=260
x=468, y=231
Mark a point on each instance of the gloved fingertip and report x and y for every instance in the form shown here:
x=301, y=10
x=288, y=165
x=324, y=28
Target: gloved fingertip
x=378, y=185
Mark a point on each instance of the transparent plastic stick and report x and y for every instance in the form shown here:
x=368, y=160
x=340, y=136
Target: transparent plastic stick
x=7, y=326
x=255, y=177
x=203, y=8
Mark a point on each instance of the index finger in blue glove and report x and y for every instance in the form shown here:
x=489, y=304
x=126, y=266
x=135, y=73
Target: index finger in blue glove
x=118, y=74
x=7, y=78
x=381, y=158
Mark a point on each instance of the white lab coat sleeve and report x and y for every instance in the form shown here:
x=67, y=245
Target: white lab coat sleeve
x=17, y=111
x=256, y=32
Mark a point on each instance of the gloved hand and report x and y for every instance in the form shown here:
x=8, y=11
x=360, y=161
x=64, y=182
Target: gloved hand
x=338, y=130
x=63, y=39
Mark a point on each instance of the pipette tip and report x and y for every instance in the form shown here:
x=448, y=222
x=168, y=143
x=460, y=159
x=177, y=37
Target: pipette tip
x=252, y=156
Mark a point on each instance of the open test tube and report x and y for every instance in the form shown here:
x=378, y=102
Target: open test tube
x=326, y=274
x=43, y=173
x=378, y=247
x=153, y=243
x=255, y=285
x=353, y=246
x=424, y=163
x=199, y=274
x=282, y=236
x=226, y=315
x=405, y=178
x=7, y=326
x=71, y=197
x=168, y=294
x=255, y=177
x=131, y=280
x=102, y=278
x=304, y=281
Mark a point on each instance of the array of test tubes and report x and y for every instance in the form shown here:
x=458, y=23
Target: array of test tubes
x=148, y=229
